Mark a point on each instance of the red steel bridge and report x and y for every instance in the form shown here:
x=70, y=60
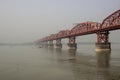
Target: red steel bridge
x=112, y=22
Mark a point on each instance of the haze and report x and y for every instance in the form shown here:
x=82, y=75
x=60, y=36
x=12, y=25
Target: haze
x=29, y=20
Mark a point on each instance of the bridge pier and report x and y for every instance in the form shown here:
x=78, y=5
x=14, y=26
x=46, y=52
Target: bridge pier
x=72, y=44
x=58, y=43
x=103, y=46
x=50, y=44
x=103, y=43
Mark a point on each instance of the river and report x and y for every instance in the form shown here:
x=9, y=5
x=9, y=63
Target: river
x=33, y=63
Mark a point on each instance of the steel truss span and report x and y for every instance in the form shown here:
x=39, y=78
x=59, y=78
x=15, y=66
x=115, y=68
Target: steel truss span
x=112, y=22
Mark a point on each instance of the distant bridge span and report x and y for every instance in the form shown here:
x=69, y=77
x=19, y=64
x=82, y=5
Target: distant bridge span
x=112, y=22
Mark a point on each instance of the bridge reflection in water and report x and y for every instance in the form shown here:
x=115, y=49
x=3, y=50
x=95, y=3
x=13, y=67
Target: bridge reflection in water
x=82, y=67
x=102, y=65
x=103, y=58
x=103, y=70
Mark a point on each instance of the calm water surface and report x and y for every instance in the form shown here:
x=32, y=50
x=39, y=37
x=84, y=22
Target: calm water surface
x=32, y=63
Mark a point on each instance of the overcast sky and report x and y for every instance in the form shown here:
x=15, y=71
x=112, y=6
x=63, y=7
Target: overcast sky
x=29, y=20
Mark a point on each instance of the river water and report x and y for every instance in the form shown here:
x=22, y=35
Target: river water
x=33, y=63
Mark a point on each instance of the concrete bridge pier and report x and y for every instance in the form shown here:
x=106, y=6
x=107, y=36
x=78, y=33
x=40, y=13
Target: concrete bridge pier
x=50, y=44
x=103, y=43
x=72, y=44
x=103, y=46
x=58, y=44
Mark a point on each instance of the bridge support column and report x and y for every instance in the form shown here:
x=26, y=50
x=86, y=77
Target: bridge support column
x=72, y=44
x=50, y=44
x=58, y=44
x=103, y=43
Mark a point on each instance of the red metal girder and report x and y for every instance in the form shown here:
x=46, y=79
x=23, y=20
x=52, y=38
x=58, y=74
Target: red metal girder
x=112, y=22
x=85, y=27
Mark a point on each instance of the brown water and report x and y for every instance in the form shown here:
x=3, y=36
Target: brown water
x=32, y=63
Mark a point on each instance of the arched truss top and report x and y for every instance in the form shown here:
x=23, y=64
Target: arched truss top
x=63, y=33
x=52, y=37
x=84, y=27
x=111, y=20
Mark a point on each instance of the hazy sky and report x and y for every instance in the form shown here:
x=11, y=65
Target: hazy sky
x=29, y=20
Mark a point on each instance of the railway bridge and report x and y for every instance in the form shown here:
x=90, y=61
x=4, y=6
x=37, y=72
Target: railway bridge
x=102, y=30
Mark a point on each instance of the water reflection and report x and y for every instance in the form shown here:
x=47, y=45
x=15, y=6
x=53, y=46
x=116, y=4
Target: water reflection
x=50, y=49
x=103, y=59
x=58, y=50
x=84, y=67
x=72, y=52
x=103, y=63
x=103, y=74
